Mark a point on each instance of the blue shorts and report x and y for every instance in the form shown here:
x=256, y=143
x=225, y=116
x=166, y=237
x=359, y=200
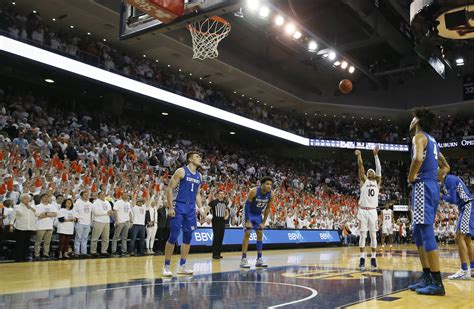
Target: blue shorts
x=185, y=218
x=466, y=220
x=255, y=220
x=425, y=200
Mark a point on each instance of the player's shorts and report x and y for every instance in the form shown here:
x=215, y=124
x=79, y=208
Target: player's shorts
x=387, y=229
x=466, y=220
x=185, y=218
x=367, y=219
x=424, y=201
x=255, y=220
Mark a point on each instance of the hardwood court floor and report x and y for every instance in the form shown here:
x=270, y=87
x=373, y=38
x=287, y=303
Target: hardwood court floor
x=299, y=278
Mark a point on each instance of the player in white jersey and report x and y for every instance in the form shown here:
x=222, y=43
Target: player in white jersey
x=388, y=221
x=368, y=202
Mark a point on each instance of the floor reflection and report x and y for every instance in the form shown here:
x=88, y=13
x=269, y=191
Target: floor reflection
x=258, y=288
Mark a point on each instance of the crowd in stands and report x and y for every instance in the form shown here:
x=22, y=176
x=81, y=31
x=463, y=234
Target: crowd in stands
x=97, y=52
x=70, y=174
x=56, y=164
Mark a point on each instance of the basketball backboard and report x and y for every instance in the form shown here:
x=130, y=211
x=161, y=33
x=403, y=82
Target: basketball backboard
x=134, y=22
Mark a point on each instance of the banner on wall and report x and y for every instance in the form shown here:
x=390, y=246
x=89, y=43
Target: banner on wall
x=400, y=207
x=234, y=236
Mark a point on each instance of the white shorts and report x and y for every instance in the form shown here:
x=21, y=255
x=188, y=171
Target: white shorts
x=387, y=229
x=367, y=219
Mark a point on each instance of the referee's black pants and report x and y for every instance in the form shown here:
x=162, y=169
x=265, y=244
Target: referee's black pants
x=218, y=228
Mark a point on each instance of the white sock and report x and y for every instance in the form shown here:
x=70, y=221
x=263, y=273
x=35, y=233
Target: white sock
x=374, y=255
x=362, y=255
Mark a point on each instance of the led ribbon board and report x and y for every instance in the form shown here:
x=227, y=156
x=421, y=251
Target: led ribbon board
x=49, y=58
x=233, y=236
x=357, y=145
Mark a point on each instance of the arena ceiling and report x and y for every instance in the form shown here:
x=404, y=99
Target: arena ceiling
x=259, y=62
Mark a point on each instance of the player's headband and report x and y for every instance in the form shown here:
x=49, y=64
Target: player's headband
x=370, y=170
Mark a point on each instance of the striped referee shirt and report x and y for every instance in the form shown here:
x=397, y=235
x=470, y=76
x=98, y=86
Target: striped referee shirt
x=218, y=208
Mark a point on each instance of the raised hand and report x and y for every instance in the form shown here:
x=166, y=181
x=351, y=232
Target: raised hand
x=376, y=150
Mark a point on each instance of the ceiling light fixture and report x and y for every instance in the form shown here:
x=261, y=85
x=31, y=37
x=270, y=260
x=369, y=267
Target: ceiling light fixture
x=264, y=12
x=279, y=20
x=312, y=46
x=290, y=29
x=252, y=5
x=297, y=35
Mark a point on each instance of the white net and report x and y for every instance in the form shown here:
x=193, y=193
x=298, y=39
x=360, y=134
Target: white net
x=206, y=35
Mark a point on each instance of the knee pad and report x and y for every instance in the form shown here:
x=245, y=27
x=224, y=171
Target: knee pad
x=373, y=239
x=187, y=236
x=362, y=239
x=417, y=235
x=427, y=233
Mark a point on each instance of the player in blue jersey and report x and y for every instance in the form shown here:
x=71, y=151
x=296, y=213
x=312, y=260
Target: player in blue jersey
x=423, y=178
x=259, y=201
x=183, y=193
x=456, y=192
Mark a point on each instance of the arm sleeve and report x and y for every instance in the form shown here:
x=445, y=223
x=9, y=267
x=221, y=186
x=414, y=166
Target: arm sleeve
x=39, y=211
x=13, y=217
x=378, y=167
x=450, y=195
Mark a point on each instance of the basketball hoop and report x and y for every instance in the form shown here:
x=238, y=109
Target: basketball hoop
x=206, y=35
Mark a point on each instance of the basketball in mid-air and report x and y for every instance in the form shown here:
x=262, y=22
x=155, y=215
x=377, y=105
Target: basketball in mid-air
x=345, y=86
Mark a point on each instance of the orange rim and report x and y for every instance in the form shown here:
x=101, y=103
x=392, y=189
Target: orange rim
x=213, y=18
x=219, y=19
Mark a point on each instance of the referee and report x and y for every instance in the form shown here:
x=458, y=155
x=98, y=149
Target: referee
x=219, y=215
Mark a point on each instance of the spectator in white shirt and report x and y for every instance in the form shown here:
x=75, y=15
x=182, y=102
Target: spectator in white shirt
x=207, y=221
x=5, y=217
x=15, y=194
x=45, y=213
x=151, y=220
x=101, y=211
x=290, y=220
x=82, y=211
x=24, y=222
x=14, y=31
x=123, y=217
x=138, y=227
x=38, y=35
x=66, y=218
